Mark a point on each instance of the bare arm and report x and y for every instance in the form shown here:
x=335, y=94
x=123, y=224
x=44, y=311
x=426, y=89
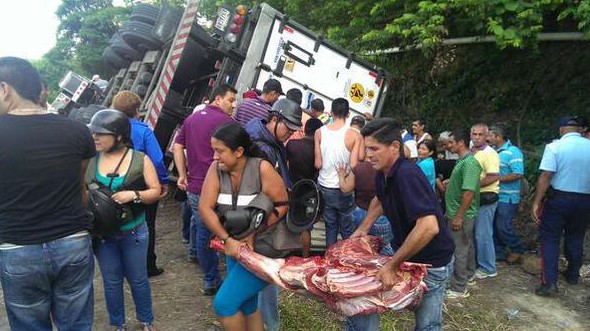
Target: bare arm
x=424, y=231
x=510, y=177
x=274, y=187
x=180, y=163
x=543, y=184
x=345, y=178
x=352, y=138
x=147, y=196
x=466, y=198
x=208, y=202
x=317, y=140
x=489, y=179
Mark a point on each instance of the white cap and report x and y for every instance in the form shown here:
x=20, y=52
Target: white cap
x=95, y=77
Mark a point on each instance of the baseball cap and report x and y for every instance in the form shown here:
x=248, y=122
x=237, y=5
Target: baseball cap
x=571, y=120
x=317, y=104
x=273, y=85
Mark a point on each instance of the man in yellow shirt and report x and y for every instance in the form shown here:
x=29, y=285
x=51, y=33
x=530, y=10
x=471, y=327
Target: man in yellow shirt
x=490, y=186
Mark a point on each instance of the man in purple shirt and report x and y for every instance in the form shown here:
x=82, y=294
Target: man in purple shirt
x=195, y=138
x=259, y=107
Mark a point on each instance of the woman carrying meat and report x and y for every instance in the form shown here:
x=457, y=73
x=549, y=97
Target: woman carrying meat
x=236, y=177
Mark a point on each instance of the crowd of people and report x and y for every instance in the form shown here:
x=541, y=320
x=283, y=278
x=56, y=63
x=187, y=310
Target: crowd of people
x=447, y=200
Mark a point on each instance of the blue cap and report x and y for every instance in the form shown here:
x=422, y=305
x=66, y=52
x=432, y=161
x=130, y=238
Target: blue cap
x=571, y=120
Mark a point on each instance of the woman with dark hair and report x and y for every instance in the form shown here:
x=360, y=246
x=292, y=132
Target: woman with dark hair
x=426, y=150
x=235, y=178
x=123, y=254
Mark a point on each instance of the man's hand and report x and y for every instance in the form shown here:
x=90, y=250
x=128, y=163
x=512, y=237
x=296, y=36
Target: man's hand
x=164, y=191
x=536, y=213
x=457, y=223
x=388, y=275
x=182, y=183
x=359, y=233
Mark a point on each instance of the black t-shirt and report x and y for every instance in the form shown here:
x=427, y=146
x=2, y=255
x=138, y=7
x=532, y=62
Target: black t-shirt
x=301, y=158
x=406, y=195
x=40, y=178
x=444, y=168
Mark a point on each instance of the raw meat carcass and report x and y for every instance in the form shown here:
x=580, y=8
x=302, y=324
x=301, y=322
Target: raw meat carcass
x=345, y=278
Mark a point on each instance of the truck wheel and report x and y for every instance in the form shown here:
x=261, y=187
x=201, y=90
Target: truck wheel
x=139, y=36
x=84, y=114
x=145, y=13
x=145, y=77
x=124, y=50
x=113, y=59
x=141, y=90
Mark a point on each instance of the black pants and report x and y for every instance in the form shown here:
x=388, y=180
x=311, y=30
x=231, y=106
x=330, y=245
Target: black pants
x=150, y=219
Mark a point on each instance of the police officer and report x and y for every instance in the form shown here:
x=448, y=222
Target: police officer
x=565, y=184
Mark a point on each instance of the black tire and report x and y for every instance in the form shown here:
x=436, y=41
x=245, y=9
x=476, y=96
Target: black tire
x=84, y=114
x=145, y=13
x=113, y=59
x=124, y=50
x=139, y=36
x=141, y=90
x=144, y=77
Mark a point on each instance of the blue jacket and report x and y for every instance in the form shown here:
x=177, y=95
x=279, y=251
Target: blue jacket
x=273, y=149
x=144, y=140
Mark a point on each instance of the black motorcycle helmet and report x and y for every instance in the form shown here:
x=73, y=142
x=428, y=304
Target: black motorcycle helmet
x=289, y=111
x=113, y=122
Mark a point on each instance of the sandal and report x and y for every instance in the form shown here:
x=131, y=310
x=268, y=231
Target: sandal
x=147, y=327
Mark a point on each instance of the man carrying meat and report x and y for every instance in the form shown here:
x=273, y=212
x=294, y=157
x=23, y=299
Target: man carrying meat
x=419, y=230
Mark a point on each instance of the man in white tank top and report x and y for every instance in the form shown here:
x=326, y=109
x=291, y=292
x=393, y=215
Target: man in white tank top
x=336, y=143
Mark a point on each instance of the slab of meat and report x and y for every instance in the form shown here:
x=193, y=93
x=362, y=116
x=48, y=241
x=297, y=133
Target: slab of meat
x=345, y=278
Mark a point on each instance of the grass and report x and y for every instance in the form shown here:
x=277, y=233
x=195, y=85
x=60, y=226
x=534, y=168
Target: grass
x=303, y=314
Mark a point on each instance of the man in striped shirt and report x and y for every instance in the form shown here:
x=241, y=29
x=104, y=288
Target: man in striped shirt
x=259, y=107
x=511, y=173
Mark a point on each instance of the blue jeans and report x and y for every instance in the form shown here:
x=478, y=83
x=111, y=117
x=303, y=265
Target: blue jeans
x=186, y=216
x=268, y=302
x=381, y=228
x=51, y=279
x=338, y=208
x=428, y=315
x=484, y=238
x=507, y=237
x=568, y=216
x=208, y=260
x=124, y=255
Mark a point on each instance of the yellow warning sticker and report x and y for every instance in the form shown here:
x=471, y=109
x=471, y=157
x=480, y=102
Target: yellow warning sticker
x=356, y=92
x=370, y=94
x=290, y=64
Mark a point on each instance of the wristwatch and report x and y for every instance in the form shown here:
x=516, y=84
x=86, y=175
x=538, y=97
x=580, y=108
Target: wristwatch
x=137, y=197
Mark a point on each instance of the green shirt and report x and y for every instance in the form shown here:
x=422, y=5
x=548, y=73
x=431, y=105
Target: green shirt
x=465, y=177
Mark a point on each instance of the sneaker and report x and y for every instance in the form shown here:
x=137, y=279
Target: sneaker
x=185, y=241
x=471, y=281
x=147, y=327
x=547, y=290
x=481, y=274
x=450, y=294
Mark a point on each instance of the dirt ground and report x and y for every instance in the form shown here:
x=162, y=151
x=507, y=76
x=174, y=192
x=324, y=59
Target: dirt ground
x=507, y=298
